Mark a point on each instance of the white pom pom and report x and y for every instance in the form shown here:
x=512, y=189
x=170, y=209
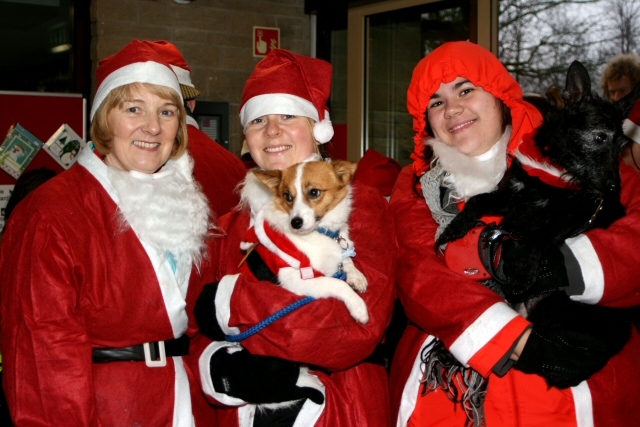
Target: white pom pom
x=323, y=131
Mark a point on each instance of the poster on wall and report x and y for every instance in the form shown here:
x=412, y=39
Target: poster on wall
x=5, y=193
x=42, y=114
x=17, y=150
x=64, y=146
x=265, y=39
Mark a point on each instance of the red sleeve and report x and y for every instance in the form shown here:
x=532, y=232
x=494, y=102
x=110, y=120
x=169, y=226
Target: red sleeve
x=47, y=354
x=322, y=333
x=616, y=248
x=441, y=302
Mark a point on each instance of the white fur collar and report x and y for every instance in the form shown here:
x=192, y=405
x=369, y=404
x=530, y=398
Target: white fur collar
x=468, y=176
x=166, y=209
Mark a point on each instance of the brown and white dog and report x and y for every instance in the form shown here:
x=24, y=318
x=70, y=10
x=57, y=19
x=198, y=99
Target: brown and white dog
x=300, y=217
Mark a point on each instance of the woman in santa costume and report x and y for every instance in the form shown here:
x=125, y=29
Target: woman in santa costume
x=316, y=356
x=96, y=263
x=470, y=122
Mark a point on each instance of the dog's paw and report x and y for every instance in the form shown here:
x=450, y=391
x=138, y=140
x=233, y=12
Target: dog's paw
x=358, y=310
x=357, y=281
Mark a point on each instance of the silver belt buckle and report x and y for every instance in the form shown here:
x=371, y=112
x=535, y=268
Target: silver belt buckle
x=155, y=363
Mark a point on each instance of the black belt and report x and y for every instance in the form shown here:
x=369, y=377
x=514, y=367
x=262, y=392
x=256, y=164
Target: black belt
x=153, y=353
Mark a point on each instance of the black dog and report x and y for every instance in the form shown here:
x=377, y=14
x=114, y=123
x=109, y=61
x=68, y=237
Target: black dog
x=584, y=140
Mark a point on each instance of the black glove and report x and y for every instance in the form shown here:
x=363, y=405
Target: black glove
x=521, y=269
x=259, y=379
x=205, y=313
x=571, y=341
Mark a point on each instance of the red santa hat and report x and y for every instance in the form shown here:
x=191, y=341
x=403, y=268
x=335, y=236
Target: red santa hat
x=137, y=62
x=173, y=57
x=288, y=83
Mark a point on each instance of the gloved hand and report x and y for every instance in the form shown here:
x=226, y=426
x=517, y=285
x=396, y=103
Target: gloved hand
x=522, y=272
x=205, y=313
x=571, y=341
x=259, y=379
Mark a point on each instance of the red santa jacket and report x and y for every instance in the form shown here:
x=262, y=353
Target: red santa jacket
x=71, y=281
x=478, y=327
x=322, y=333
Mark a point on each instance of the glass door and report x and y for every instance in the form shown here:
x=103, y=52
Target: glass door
x=385, y=42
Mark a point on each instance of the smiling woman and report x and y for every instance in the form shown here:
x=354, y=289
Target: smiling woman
x=312, y=357
x=277, y=141
x=465, y=116
x=139, y=126
x=466, y=356
x=112, y=263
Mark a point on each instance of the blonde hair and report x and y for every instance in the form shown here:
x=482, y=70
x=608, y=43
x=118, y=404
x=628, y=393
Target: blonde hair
x=318, y=148
x=101, y=133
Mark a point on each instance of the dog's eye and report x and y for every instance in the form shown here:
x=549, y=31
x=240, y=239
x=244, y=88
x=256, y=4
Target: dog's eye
x=314, y=193
x=601, y=138
x=288, y=197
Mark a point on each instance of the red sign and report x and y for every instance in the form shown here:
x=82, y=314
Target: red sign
x=265, y=39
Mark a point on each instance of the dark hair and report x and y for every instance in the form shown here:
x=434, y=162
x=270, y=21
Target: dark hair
x=26, y=183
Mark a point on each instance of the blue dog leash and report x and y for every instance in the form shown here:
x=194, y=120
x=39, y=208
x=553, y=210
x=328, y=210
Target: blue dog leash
x=269, y=320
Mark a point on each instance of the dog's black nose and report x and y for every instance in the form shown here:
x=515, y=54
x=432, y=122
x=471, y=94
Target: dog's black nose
x=296, y=223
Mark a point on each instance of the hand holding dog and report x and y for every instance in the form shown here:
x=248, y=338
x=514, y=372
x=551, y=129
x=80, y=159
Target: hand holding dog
x=205, y=313
x=551, y=273
x=566, y=346
x=259, y=379
x=513, y=272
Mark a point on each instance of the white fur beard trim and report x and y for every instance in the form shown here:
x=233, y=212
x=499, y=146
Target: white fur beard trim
x=468, y=175
x=166, y=210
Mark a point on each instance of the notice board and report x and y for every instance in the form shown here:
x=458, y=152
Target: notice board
x=41, y=114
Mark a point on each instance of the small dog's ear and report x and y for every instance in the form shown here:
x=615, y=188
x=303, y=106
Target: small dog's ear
x=344, y=170
x=578, y=84
x=270, y=178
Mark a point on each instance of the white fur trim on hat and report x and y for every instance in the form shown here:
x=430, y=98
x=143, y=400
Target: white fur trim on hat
x=184, y=76
x=284, y=103
x=139, y=72
x=276, y=103
x=323, y=131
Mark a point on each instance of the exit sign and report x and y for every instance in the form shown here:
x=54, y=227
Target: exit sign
x=265, y=39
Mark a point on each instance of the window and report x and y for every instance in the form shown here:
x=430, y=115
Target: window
x=45, y=46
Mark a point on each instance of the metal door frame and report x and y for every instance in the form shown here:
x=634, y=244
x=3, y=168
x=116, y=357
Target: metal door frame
x=486, y=33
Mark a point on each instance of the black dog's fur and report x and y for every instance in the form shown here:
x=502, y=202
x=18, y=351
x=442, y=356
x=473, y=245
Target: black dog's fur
x=585, y=138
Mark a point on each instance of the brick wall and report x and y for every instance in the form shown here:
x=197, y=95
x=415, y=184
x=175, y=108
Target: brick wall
x=215, y=37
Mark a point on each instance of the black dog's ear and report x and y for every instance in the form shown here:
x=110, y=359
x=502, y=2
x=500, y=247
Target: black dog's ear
x=578, y=85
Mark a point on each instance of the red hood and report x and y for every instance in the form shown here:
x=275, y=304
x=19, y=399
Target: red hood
x=483, y=69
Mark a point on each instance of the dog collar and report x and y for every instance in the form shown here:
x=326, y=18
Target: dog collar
x=334, y=234
x=347, y=252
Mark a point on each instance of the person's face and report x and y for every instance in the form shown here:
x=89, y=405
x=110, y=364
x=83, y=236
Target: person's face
x=465, y=116
x=277, y=141
x=619, y=88
x=144, y=131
